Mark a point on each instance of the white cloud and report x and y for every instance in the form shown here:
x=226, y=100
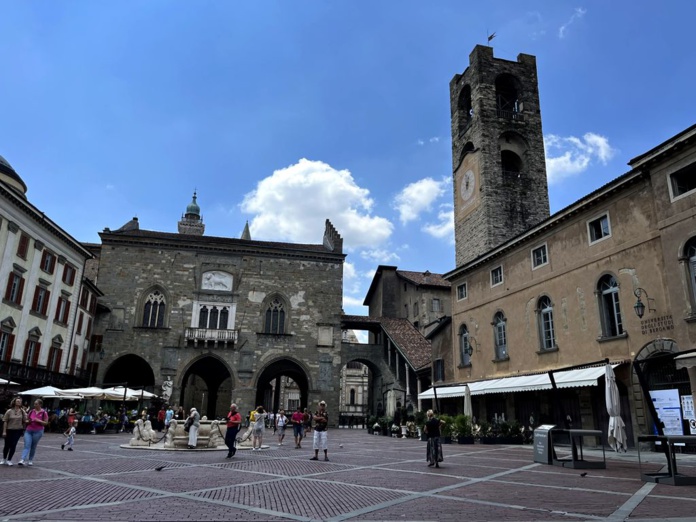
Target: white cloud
x=370, y=274
x=352, y=301
x=292, y=204
x=570, y=156
x=380, y=255
x=420, y=142
x=444, y=227
x=109, y=186
x=577, y=14
x=434, y=139
x=418, y=197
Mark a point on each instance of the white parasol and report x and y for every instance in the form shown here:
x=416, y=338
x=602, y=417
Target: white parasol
x=617, y=429
x=468, y=410
x=44, y=391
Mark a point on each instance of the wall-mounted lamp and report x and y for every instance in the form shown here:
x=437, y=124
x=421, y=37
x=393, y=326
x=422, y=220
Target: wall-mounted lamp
x=639, y=307
x=471, y=346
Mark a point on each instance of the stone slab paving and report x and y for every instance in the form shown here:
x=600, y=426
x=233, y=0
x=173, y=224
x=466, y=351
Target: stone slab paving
x=368, y=478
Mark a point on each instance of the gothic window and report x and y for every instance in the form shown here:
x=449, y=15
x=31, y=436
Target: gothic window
x=546, y=327
x=690, y=254
x=500, y=336
x=213, y=317
x=464, y=346
x=609, y=308
x=154, y=310
x=275, y=318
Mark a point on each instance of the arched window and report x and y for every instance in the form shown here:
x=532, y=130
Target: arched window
x=464, y=346
x=609, y=308
x=466, y=112
x=500, y=336
x=154, y=310
x=507, y=97
x=275, y=318
x=690, y=254
x=511, y=163
x=352, y=396
x=547, y=333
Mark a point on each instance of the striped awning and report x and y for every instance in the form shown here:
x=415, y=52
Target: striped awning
x=568, y=379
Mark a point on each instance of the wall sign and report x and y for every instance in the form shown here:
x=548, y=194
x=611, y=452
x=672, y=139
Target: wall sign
x=656, y=324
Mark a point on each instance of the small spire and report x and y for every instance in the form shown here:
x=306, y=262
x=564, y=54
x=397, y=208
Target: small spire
x=246, y=234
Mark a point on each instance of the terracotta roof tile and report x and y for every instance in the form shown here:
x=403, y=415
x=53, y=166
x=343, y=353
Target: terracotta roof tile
x=408, y=340
x=424, y=278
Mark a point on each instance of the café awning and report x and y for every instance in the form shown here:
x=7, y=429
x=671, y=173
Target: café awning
x=687, y=360
x=569, y=379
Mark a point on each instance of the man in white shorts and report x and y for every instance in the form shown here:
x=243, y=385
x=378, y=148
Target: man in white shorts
x=321, y=421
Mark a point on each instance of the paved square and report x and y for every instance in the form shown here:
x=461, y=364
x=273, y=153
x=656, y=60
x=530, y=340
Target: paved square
x=368, y=478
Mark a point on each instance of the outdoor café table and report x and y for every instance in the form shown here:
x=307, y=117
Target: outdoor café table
x=577, y=458
x=671, y=477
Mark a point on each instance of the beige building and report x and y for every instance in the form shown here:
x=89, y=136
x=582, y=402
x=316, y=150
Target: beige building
x=566, y=290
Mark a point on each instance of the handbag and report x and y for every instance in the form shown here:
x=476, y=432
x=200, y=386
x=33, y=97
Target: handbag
x=188, y=424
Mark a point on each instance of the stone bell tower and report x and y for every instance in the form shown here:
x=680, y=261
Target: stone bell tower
x=499, y=169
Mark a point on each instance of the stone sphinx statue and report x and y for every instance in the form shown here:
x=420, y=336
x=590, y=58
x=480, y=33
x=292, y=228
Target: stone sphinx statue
x=169, y=437
x=143, y=434
x=217, y=435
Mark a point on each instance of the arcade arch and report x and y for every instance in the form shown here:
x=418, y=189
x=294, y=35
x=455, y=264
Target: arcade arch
x=283, y=383
x=207, y=386
x=130, y=370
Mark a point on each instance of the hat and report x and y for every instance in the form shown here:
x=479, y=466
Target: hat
x=322, y=403
x=193, y=409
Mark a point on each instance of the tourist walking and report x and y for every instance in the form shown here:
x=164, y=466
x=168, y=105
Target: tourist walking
x=432, y=431
x=70, y=434
x=195, y=419
x=13, y=423
x=258, y=428
x=168, y=416
x=280, y=422
x=298, y=420
x=37, y=420
x=321, y=422
x=234, y=420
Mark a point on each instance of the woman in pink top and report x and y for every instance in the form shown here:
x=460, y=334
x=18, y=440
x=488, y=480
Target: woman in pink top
x=37, y=419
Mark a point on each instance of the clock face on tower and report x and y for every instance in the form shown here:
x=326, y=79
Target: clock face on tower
x=468, y=185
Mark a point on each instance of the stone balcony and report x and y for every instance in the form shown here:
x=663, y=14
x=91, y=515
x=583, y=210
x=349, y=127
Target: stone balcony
x=207, y=336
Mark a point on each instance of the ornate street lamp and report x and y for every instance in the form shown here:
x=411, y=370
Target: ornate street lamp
x=639, y=307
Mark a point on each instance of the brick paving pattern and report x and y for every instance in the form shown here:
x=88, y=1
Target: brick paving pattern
x=369, y=478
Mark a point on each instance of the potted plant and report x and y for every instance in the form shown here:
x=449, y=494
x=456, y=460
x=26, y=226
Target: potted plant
x=371, y=421
x=446, y=428
x=464, y=429
x=420, y=422
x=484, y=433
x=395, y=430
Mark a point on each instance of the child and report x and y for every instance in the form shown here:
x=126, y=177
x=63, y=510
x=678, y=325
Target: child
x=70, y=434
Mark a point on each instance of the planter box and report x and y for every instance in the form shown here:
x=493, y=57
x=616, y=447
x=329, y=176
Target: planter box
x=465, y=440
x=446, y=440
x=501, y=440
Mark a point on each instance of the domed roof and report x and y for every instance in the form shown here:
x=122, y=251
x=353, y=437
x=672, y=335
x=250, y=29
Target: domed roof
x=10, y=176
x=193, y=207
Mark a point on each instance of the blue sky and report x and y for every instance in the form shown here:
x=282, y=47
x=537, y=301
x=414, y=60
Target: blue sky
x=286, y=113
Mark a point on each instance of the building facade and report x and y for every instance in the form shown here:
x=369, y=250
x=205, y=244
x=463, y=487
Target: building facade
x=562, y=292
x=47, y=305
x=220, y=319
